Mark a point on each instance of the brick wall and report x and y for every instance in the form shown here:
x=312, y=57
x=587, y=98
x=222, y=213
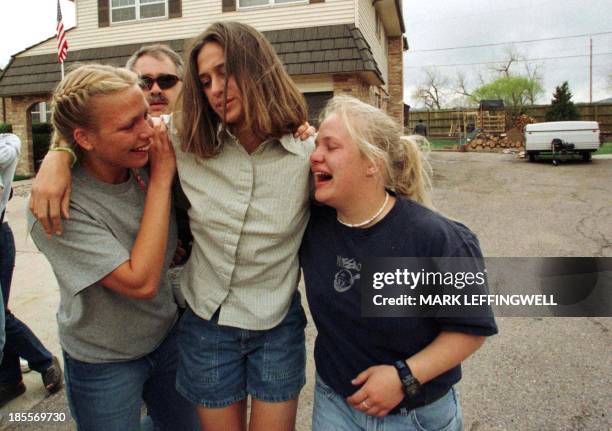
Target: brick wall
x=353, y=85
x=17, y=114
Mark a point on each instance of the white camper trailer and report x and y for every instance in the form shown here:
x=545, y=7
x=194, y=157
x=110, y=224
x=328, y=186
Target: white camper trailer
x=562, y=137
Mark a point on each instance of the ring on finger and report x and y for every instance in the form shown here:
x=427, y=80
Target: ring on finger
x=365, y=404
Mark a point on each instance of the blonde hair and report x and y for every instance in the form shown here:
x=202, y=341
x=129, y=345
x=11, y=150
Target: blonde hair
x=72, y=99
x=272, y=103
x=405, y=169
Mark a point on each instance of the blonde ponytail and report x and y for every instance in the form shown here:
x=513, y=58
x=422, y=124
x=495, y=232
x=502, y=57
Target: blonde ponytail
x=412, y=172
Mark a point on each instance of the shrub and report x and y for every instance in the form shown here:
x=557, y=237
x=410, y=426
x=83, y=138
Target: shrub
x=561, y=106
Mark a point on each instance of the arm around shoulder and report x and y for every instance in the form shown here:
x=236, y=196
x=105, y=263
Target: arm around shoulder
x=50, y=198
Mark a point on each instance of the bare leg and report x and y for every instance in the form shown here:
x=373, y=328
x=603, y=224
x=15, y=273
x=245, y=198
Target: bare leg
x=273, y=416
x=230, y=418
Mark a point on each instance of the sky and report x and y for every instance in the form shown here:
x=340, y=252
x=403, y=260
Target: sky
x=27, y=22
x=434, y=24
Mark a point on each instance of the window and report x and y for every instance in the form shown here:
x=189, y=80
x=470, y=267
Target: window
x=254, y=3
x=316, y=102
x=131, y=10
x=40, y=113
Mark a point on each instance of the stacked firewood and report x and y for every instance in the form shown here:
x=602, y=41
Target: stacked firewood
x=521, y=122
x=511, y=140
x=487, y=142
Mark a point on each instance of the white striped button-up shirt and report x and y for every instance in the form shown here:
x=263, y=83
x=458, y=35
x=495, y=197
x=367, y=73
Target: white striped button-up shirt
x=248, y=215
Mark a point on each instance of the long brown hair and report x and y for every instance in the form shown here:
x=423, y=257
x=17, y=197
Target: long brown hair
x=273, y=105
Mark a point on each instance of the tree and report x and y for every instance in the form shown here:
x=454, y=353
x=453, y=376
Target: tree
x=503, y=68
x=432, y=91
x=561, y=106
x=515, y=91
x=461, y=85
x=533, y=73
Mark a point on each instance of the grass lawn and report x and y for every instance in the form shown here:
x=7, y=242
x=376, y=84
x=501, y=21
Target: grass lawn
x=606, y=148
x=441, y=143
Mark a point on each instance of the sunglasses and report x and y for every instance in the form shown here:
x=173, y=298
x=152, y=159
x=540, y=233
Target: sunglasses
x=163, y=81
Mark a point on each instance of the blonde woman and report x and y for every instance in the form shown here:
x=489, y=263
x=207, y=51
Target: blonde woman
x=117, y=315
x=247, y=180
x=379, y=373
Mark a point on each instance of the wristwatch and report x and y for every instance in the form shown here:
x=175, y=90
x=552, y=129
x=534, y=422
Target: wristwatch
x=411, y=384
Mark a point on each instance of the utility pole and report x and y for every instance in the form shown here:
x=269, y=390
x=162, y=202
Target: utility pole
x=590, y=70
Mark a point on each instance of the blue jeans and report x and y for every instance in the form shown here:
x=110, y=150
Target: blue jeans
x=331, y=412
x=20, y=341
x=108, y=396
x=219, y=365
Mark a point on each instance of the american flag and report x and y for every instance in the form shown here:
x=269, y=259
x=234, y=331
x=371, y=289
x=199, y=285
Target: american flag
x=62, y=43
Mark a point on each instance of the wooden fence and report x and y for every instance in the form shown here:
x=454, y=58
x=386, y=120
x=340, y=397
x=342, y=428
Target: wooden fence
x=440, y=122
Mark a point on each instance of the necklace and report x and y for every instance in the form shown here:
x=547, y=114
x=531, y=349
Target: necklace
x=139, y=180
x=370, y=220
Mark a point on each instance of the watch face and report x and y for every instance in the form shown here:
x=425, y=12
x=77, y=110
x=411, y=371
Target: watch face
x=413, y=388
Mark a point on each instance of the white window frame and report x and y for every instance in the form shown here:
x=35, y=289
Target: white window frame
x=270, y=4
x=40, y=110
x=137, y=18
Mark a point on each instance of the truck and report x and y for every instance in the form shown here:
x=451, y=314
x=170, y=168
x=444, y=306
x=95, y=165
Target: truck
x=558, y=138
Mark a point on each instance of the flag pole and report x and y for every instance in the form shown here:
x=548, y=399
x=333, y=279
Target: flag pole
x=62, y=43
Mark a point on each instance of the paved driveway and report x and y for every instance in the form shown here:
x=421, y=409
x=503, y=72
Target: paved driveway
x=537, y=374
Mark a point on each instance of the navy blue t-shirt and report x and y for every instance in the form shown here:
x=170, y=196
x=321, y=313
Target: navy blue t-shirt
x=347, y=343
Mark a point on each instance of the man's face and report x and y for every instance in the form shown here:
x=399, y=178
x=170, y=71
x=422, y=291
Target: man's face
x=161, y=101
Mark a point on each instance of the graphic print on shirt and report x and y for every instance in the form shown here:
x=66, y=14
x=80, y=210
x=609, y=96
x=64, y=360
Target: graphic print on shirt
x=348, y=274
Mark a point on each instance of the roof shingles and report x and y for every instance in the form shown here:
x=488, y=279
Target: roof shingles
x=324, y=49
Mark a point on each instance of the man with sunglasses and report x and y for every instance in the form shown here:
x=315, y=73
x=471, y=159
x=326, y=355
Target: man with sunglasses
x=160, y=69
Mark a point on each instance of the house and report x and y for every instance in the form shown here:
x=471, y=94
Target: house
x=327, y=46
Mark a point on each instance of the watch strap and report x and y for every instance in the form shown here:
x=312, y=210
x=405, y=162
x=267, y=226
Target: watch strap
x=411, y=384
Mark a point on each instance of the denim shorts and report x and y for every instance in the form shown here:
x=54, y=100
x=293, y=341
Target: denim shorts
x=219, y=365
x=331, y=412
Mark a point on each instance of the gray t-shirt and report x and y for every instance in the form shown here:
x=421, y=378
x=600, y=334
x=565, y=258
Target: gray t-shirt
x=97, y=324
